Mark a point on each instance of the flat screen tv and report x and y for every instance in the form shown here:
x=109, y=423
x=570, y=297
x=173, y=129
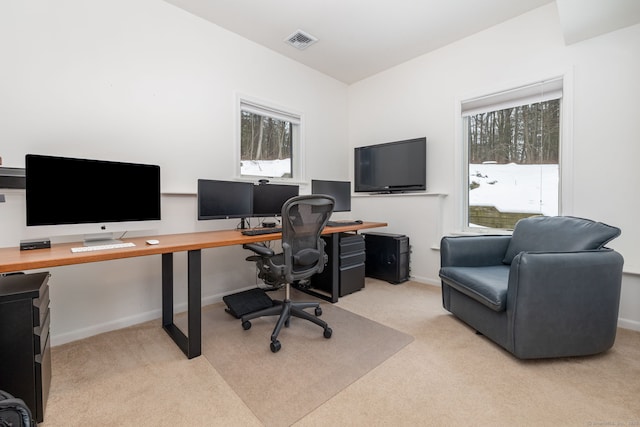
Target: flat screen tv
x=62, y=191
x=269, y=198
x=224, y=199
x=394, y=167
x=339, y=190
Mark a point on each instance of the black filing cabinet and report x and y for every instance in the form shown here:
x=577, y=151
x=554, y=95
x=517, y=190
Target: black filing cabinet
x=349, y=272
x=25, y=351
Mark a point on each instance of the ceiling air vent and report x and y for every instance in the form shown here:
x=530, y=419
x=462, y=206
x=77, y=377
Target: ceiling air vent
x=301, y=40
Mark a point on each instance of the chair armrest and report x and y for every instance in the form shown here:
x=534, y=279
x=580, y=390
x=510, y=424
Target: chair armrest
x=473, y=251
x=563, y=303
x=261, y=250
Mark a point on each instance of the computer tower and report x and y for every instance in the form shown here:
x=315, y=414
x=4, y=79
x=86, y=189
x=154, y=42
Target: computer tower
x=387, y=257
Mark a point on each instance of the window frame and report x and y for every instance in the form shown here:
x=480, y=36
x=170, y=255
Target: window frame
x=565, y=164
x=270, y=109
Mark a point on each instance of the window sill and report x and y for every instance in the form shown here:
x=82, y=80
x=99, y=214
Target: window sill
x=416, y=194
x=492, y=231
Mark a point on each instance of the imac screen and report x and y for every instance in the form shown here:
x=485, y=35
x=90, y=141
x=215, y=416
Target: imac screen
x=61, y=190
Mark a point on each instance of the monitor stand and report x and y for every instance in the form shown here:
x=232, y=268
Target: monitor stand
x=244, y=221
x=100, y=239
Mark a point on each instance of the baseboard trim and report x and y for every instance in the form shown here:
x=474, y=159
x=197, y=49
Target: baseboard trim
x=634, y=325
x=425, y=280
x=124, y=322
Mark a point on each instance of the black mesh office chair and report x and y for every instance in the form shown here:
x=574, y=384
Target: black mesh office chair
x=303, y=218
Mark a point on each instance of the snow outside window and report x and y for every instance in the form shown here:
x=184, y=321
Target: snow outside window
x=512, y=152
x=270, y=142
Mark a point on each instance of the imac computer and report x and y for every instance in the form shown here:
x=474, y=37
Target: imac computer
x=269, y=198
x=224, y=199
x=95, y=198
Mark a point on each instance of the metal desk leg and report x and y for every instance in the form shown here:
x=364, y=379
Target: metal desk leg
x=190, y=344
x=194, y=298
x=335, y=271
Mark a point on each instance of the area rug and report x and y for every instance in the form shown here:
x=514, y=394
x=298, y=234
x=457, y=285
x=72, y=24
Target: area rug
x=280, y=388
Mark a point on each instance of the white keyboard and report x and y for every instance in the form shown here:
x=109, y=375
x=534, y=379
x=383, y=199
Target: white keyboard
x=102, y=247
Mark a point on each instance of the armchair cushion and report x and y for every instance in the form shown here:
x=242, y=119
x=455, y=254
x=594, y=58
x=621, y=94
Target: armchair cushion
x=487, y=285
x=558, y=234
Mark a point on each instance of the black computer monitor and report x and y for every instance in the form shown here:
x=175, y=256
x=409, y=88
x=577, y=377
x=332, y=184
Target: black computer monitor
x=339, y=190
x=269, y=198
x=67, y=196
x=224, y=199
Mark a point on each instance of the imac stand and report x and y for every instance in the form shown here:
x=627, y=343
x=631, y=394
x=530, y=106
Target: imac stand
x=100, y=239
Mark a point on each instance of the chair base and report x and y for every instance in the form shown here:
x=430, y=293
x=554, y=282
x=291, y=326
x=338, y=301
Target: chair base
x=285, y=309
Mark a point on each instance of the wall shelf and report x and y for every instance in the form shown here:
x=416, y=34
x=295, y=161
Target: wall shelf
x=356, y=195
x=179, y=193
x=12, y=177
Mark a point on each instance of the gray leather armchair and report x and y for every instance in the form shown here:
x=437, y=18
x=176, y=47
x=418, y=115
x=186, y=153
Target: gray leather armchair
x=551, y=289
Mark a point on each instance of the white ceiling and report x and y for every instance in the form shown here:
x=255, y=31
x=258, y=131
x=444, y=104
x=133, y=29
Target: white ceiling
x=583, y=19
x=359, y=38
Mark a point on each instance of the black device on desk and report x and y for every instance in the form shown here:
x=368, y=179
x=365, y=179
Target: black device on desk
x=341, y=192
x=269, y=198
x=99, y=199
x=224, y=199
x=342, y=223
x=261, y=231
x=233, y=199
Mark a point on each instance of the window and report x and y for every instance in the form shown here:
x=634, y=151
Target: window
x=512, y=151
x=270, y=142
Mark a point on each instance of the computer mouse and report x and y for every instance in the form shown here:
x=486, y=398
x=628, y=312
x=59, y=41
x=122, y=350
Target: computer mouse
x=358, y=221
x=152, y=242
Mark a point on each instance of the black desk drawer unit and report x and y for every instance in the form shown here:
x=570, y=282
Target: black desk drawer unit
x=25, y=359
x=350, y=268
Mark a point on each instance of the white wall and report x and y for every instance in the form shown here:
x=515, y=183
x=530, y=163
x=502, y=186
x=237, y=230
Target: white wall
x=147, y=82
x=418, y=98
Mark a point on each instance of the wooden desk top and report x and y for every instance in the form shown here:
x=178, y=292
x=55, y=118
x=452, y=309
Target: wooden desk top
x=13, y=259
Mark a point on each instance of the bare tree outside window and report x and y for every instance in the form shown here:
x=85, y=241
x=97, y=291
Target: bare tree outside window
x=266, y=146
x=513, y=161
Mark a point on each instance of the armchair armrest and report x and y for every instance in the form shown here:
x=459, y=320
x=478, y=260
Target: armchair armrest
x=473, y=251
x=563, y=303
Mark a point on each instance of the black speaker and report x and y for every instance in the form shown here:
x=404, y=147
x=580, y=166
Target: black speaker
x=387, y=257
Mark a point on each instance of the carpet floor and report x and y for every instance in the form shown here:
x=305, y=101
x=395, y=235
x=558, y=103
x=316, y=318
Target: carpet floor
x=282, y=387
x=446, y=375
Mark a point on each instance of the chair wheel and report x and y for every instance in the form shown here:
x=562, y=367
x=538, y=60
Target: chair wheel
x=246, y=325
x=318, y=311
x=328, y=332
x=275, y=346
